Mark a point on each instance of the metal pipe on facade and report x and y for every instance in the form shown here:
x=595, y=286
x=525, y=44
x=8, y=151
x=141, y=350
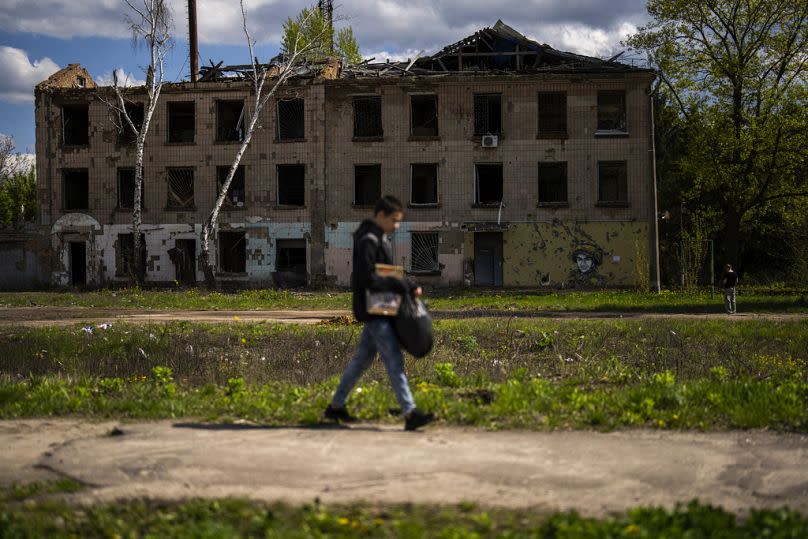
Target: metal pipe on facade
x=192, y=41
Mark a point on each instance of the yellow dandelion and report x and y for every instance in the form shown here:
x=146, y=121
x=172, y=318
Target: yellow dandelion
x=342, y=521
x=631, y=528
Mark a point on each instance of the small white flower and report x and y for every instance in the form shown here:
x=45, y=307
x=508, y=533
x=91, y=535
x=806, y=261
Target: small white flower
x=359, y=390
x=263, y=358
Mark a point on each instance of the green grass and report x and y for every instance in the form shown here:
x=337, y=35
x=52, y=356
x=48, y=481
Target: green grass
x=243, y=518
x=492, y=373
x=749, y=300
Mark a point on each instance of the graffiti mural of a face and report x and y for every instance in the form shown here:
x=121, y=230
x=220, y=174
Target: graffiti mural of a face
x=585, y=261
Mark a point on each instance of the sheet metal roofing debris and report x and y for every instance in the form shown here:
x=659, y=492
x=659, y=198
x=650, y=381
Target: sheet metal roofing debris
x=495, y=50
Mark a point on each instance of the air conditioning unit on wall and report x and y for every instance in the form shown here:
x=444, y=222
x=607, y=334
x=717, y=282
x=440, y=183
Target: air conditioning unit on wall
x=490, y=141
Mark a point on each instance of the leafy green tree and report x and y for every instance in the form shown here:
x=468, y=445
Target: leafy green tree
x=736, y=71
x=18, y=197
x=311, y=30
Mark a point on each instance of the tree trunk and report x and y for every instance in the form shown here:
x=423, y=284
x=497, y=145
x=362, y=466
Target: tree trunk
x=732, y=238
x=207, y=267
x=140, y=271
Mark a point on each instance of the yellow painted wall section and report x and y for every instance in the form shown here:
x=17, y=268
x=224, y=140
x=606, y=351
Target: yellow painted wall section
x=572, y=254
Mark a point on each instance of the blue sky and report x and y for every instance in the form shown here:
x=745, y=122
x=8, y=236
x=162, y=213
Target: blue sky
x=37, y=37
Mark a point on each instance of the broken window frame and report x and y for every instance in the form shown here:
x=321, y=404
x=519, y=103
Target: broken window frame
x=552, y=114
x=285, y=174
x=424, y=253
x=174, y=135
x=301, y=258
x=124, y=255
x=126, y=192
x=551, y=185
x=426, y=124
x=238, y=185
x=612, y=113
x=296, y=132
x=136, y=112
x=413, y=174
x=178, y=204
x=619, y=171
x=230, y=241
x=483, y=100
x=375, y=129
x=478, y=201
x=225, y=133
x=69, y=198
x=374, y=170
x=76, y=124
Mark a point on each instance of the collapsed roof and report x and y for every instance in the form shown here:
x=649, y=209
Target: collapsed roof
x=498, y=49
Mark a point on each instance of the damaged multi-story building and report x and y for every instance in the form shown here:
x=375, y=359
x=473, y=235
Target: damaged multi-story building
x=520, y=165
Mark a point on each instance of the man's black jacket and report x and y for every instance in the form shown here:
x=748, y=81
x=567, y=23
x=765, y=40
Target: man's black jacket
x=371, y=246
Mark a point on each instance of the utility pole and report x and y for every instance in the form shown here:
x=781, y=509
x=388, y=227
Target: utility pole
x=327, y=8
x=682, y=266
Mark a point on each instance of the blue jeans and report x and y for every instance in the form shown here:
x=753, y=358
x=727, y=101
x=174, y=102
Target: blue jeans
x=729, y=300
x=378, y=336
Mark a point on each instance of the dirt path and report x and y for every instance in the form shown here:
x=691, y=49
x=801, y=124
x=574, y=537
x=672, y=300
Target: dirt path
x=594, y=473
x=43, y=316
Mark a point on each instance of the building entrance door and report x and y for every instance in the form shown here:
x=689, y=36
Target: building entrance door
x=78, y=263
x=184, y=258
x=488, y=258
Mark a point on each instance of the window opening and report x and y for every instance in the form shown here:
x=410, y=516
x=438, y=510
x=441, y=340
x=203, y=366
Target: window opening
x=232, y=252
x=126, y=136
x=76, y=185
x=424, y=184
x=181, y=119
x=612, y=111
x=291, y=185
x=367, y=184
x=552, y=113
x=612, y=182
x=487, y=114
x=489, y=184
x=424, y=115
x=552, y=182
x=229, y=121
x=236, y=195
x=291, y=119
x=125, y=255
x=126, y=189
x=424, y=250
x=76, y=125
x=180, y=188
x=368, y=117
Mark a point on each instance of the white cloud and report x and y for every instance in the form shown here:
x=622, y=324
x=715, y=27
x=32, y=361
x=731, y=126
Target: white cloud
x=18, y=75
x=584, y=26
x=124, y=79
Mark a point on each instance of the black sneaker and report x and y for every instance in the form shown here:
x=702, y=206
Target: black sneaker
x=417, y=419
x=338, y=414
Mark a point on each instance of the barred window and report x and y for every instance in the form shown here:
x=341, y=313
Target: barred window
x=424, y=250
x=180, y=188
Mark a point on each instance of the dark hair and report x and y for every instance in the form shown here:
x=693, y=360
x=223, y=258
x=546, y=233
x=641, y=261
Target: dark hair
x=388, y=205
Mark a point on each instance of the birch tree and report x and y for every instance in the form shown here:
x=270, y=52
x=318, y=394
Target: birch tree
x=266, y=79
x=150, y=23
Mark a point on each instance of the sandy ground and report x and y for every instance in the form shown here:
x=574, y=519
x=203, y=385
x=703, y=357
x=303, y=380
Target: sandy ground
x=42, y=316
x=595, y=473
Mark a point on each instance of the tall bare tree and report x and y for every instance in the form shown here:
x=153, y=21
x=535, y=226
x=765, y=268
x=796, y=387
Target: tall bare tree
x=150, y=23
x=266, y=79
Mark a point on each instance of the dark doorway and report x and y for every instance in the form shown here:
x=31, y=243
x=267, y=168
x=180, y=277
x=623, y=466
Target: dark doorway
x=488, y=258
x=183, y=255
x=78, y=263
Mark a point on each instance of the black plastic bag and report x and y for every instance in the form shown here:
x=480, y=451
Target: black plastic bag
x=414, y=326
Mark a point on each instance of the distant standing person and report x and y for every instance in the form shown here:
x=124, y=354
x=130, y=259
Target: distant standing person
x=729, y=281
x=371, y=247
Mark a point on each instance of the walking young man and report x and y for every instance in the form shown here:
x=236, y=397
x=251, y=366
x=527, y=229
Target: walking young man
x=372, y=246
x=729, y=281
